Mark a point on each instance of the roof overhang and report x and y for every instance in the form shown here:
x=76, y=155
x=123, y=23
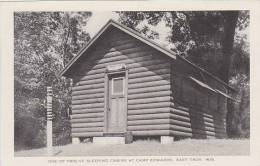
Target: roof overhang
x=169, y=53
x=204, y=85
x=123, y=28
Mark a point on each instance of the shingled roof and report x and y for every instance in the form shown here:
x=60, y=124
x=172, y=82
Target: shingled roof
x=138, y=36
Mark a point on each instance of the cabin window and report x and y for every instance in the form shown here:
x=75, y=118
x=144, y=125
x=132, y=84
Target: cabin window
x=118, y=86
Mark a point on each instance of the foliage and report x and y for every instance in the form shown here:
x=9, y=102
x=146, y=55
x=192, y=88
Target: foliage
x=43, y=43
x=206, y=38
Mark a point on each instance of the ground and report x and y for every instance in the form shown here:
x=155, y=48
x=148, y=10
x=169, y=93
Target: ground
x=149, y=148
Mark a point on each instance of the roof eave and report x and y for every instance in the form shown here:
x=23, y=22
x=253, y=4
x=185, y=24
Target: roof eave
x=209, y=74
x=74, y=59
x=135, y=34
x=124, y=29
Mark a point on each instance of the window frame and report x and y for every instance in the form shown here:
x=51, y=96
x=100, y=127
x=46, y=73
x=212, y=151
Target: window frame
x=112, y=84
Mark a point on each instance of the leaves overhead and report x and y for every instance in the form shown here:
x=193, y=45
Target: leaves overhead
x=43, y=43
x=214, y=40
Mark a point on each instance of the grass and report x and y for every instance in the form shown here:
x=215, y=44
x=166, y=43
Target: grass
x=220, y=147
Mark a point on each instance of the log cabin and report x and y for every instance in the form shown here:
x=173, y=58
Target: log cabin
x=126, y=86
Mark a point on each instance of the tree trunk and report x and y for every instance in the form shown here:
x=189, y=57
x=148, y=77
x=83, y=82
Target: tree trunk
x=230, y=20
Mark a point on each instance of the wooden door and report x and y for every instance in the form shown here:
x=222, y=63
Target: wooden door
x=117, y=103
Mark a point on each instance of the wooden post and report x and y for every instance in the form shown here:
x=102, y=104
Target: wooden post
x=49, y=121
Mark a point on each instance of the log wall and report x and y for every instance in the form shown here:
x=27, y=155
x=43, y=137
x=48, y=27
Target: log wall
x=149, y=88
x=159, y=102
x=196, y=111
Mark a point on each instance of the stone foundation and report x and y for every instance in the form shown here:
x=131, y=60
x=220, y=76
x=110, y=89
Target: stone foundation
x=167, y=139
x=108, y=140
x=75, y=140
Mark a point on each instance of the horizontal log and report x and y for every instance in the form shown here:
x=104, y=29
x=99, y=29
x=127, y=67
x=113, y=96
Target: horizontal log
x=87, y=120
x=191, y=114
x=147, y=122
x=196, y=134
x=127, y=54
x=188, y=112
x=191, y=130
x=180, y=123
x=149, y=89
x=113, y=42
x=151, y=133
x=118, y=56
x=91, y=77
x=87, y=96
x=91, y=82
x=92, y=129
x=148, y=116
x=87, y=134
x=198, y=111
x=142, y=61
x=150, y=100
x=161, y=67
x=119, y=41
x=143, y=77
x=87, y=106
x=149, y=94
x=103, y=62
x=98, y=67
x=131, y=48
x=155, y=69
x=206, y=119
x=126, y=45
x=87, y=101
x=119, y=45
x=149, y=127
x=94, y=68
x=91, y=110
x=169, y=127
x=196, y=126
x=147, y=74
x=179, y=133
x=180, y=118
x=195, y=115
x=147, y=63
x=85, y=87
x=107, y=44
x=93, y=71
x=108, y=58
x=88, y=115
x=212, y=125
x=83, y=125
x=149, y=111
x=148, y=106
x=148, y=84
x=89, y=91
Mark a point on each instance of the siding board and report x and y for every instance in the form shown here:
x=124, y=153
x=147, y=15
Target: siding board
x=148, y=86
x=151, y=93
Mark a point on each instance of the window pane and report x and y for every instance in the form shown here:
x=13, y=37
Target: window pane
x=118, y=85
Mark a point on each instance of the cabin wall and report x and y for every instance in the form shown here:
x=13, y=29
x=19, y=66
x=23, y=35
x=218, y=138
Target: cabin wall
x=149, y=87
x=196, y=111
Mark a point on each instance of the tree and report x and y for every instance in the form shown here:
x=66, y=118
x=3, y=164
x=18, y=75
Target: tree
x=43, y=43
x=207, y=39
x=230, y=21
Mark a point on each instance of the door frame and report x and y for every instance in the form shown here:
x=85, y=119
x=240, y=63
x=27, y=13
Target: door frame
x=106, y=96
